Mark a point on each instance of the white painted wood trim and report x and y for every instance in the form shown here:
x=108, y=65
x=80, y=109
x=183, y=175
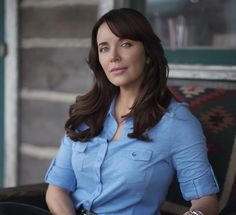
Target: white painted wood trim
x=50, y=96
x=203, y=72
x=11, y=95
x=55, y=3
x=29, y=43
x=38, y=152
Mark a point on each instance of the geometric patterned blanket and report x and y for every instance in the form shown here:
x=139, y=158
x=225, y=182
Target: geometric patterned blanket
x=216, y=110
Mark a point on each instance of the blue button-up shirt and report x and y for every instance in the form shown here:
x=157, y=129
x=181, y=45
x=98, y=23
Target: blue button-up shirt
x=132, y=177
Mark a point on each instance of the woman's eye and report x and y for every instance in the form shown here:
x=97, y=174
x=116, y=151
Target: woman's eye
x=126, y=44
x=103, y=49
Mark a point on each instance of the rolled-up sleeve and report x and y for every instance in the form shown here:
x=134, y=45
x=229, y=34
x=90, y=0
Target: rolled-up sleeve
x=206, y=184
x=189, y=157
x=60, y=172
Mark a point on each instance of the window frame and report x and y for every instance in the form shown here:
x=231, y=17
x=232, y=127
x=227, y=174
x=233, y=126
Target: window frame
x=2, y=47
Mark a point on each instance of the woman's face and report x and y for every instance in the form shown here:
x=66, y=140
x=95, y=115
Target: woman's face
x=122, y=59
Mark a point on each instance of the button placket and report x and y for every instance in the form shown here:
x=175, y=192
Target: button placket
x=111, y=121
x=102, y=152
x=100, y=159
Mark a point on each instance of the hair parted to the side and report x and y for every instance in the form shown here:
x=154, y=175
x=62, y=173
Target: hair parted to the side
x=154, y=96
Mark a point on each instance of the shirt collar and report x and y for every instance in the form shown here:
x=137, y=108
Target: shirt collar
x=111, y=111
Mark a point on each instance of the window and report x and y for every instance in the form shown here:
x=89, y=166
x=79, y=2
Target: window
x=195, y=31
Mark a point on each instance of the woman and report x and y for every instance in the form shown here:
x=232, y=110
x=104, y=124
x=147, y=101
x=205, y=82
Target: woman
x=127, y=136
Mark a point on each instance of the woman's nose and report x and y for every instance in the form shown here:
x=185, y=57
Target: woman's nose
x=115, y=55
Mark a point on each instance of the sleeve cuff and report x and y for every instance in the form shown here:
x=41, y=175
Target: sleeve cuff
x=60, y=177
x=202, y=186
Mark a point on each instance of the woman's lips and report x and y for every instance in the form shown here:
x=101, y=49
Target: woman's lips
x=118, y=70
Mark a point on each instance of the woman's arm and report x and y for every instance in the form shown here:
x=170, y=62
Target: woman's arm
x=59, y=201
x=208, y=205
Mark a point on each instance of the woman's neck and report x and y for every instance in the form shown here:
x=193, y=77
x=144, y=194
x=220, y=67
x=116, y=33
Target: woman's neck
x=124, y=103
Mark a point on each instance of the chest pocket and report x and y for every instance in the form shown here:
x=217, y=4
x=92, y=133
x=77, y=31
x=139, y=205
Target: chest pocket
x=78, y=154
x=135, y=164
x=138, y=155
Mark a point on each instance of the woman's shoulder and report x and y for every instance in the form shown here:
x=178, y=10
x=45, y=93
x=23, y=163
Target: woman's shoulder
x=181, y=116
x=184, y=121
x=179, y=110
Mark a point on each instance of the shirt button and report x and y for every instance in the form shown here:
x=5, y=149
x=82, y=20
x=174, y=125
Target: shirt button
x=100, y=158
x=134, y=154
x=87, y=203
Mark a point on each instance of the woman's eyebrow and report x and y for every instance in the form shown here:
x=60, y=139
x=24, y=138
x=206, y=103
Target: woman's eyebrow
x=102, y=43
x=106, y=43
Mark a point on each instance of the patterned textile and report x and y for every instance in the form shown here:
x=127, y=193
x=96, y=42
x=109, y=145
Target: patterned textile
x=216, y=110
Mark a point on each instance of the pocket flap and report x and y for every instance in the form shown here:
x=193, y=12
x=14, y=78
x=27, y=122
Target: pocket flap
x=79, y=147
x=138, y=155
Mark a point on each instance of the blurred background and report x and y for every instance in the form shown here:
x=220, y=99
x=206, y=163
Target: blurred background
x=43, y=50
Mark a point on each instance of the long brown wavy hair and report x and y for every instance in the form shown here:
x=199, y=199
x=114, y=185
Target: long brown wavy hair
x=154, y=96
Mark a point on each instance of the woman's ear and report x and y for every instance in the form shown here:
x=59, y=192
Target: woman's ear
x=148, y=60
